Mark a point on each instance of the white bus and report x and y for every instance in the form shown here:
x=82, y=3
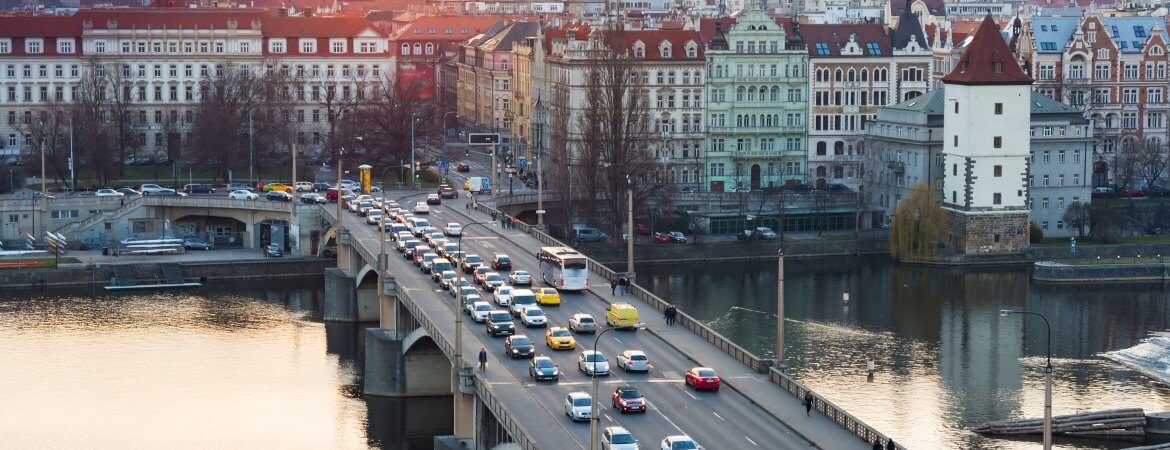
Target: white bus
x=563, y=268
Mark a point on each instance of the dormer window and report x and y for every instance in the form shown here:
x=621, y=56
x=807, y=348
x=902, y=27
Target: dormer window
x=692, y=50
x=997, y=67
x=664, y=50
x=34, y=46
x=639, y=50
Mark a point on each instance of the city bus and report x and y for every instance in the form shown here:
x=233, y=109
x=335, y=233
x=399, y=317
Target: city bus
x=563, y=268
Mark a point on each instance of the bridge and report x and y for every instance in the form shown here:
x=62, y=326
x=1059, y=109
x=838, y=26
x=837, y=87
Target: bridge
x=416, y=351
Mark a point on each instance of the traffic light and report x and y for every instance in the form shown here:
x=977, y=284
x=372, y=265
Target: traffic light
x=466, y=153
x=417, y=168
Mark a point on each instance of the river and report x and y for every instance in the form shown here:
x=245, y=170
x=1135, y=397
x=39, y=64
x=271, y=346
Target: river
x=946, y=359
x=240, y=365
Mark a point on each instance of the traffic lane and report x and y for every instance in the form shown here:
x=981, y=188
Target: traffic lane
x=528, y=406
x=732, y=405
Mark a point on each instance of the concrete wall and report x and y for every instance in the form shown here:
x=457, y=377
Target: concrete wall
x=211, y=271
x=1093, y=273
x=731, y=250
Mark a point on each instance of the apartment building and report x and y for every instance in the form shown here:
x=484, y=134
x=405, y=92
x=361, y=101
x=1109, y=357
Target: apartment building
x=484, y=68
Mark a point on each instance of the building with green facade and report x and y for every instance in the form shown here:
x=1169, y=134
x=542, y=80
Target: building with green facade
x=757, y=104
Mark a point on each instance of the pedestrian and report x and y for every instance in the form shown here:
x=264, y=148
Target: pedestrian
x=467, y=206
x=890, y=445
x=877, y=444
x=482, y=359
x=623, y=285
x=808, y=404
x=613, y=286
x=122, y=201
x=666, y=314
x=493, y=216
x=673, y=314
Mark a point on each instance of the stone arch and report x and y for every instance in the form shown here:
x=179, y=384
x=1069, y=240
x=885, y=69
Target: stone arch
x=367, y=270
x=418, y=336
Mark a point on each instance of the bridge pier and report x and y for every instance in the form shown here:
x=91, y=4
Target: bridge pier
x=340, y=296
x=406, y=367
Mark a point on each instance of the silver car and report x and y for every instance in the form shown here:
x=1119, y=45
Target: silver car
x=578, y=406
x=593, y=363
x=582, y=323
x=480, y=311
x=634, y=361
x=502, y=295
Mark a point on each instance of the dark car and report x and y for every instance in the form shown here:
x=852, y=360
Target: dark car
x=321, y=187
x=199, y=189
x=462, y=168
x=519, y=346
x=273, y=251
x=163, y=161
x=196, y=244
x=448, y=192
x=170, y=193
x=502, y=262
x=130, y=193
x=278, y=196
x=500, y=322
x=677, y=237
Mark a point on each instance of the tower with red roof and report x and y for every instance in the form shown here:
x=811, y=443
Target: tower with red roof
x=986, y=148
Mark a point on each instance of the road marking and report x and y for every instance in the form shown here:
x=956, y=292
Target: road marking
x=750, y=440
x=719, y=416
x=663, y=381
x=688, y=394
x=619, y=340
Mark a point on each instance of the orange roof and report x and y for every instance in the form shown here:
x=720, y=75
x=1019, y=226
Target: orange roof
x=462, y=27
x=987, y=60
x=316, y=26
x=183, y=18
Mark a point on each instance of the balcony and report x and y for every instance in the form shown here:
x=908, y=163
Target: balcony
x=758, y=154
x=1157, y=105
x=756, y=130
x=847, y=158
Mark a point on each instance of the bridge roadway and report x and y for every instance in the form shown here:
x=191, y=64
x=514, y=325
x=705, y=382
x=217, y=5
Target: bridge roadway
x=724, y=419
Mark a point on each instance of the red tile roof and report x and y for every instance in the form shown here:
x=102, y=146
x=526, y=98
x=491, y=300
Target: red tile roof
x=183, y=18
x=473, y=24
x=837, y=36
x=170, y=18
x=316, y=26
x=986, y=53
x=41, y=26
x=677, y=39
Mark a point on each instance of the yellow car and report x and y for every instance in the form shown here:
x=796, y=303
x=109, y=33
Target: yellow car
x=279, y=187
x=467, y=185
x=548, y=296
x=560, y=338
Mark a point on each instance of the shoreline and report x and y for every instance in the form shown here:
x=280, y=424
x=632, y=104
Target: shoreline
x=204, y=271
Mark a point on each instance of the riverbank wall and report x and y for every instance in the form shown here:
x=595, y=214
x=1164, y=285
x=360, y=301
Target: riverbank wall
x=201, y=271
x=737, y=251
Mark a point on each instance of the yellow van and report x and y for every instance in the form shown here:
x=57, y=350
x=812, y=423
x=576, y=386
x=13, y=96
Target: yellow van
x=621, y=315
x=467, y=185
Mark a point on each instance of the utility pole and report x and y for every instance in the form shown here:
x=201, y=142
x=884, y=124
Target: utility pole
x=413, y=172
x=630, y=230
x=340, y=226
x=72, y=172
x=492, y=171
x=44, y=189
x=780, y=311
x=293, y=229
x=251, y=177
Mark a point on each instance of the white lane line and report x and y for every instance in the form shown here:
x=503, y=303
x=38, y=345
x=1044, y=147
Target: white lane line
x=719, y=416
x=689, y=394
x=750, y=440
x=618, y=340
x=664, y=381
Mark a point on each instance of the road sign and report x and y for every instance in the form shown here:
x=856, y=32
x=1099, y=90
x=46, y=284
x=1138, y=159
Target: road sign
x=483, y=138
x=540, y=211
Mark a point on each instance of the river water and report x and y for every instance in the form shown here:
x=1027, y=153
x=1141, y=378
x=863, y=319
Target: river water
x=946, y=360
x=247, y=365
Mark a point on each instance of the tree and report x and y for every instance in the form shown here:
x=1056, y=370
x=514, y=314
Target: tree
x=1127, y=165
x=93, y=138
x=1077, y=216
x=919, y=226
x=820, y=201
x=1152, y=161
x=383, y=119
x=227, y=100
x=1102, y=222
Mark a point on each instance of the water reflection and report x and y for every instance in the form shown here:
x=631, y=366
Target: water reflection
x=237, y=365
x=946, y=360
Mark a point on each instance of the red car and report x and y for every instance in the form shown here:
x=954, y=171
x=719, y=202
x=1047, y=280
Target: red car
x=641, y=229
x=462, y=168
x=703, y=378
x=627, y=399
x=661, y=238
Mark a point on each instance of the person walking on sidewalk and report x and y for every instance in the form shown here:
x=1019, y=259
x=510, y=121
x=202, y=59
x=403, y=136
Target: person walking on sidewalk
x=671, y=314
x=623, y=285
x=808, y=404
x=613, y=286
x=482, y=359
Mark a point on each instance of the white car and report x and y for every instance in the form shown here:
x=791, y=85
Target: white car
x=150, y=189
x=618, y=438
x=520, y=278
x=108, y=193
x=304, y=186
x=578, y=406
x=680, y=442
x=634, y=361
x=582, y=323
x=533, y=316
x=593, y=363
x=479, y=311
x=502, y=295
x=422, y=208
x=243, y=194
x=374, y=216
x=454, y=229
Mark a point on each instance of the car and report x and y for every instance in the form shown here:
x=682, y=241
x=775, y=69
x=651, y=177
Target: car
x=279, y=187
x=628, y=399
x=533, y=317
x=447, y=279
x=592, y=363
x=421, y=208
x=453, y=229
x=480, y=310
x=662, y=238
x=418, y=253
x=701, y=378
x=519, y=346
x=273, y=251
x=438, y=266
x=434, y=238
x=108, y=193
x=129, y=192
x=448, y=192
x=548, y=296
x=765, y=233
x=433, y=199
x=634, y=361
x=544, y=368
x=166, y=192
x=407, y=246
x=502, y=295
x=466, y=291
x=520, y=278
x=520, y=299
x=491, y=281
x=470, y=263
x=279, y=196
x=689, y=190
x=243, y=194
x=462, y=168
x=427, y=261
x=499, y=322
x=451, y=250
x=560, y=338
x=679, y=442
x=578, y=406
x=481, y=274
x=313, y=198
x=582, y=323
x=198, y=189
x=303, y=186
x=193, y=243
x=150, y=189
x=455, y=256
x=677, y=237
x=321, y=187
x=618, y=438
x=502, y=262
x=621, y=315
x=374, y=216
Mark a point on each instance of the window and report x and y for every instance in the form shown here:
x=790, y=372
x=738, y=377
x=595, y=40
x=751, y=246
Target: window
x=998, y=171
x=5, y=47
x=1154, y=95
x=997, y=142
x=277, y=46
x=873, y=48
x=999, y=108
x=1047, y=72
x=33, y=46
x=997, y=198
x=63, y=46
x=822, y=48
x=245, y=47
x=1131, y=71
x=1101, y=72
x=337, y=47
x=1129, y=95
x=308, y=46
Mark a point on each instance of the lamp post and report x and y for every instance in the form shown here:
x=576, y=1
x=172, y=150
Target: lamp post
x=44, y=190
x=780, y=309
x=593, y=401
x=457, y=367
x=413, y=172
x=1047, y=376
x=630, y=230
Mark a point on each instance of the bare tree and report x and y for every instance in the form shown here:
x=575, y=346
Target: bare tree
x=1077, y=216
x=226, y=101
x=46, y=129
x=92, y=134
x=1152, y=162
x=383, y=119
x=1127, y=167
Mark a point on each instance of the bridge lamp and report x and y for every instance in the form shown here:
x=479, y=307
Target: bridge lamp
x=1047, y=375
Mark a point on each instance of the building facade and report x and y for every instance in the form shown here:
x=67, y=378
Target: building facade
x=485, y=68
x=757, y=89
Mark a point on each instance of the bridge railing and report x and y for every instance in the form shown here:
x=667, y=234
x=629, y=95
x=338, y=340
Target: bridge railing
x=756, y=363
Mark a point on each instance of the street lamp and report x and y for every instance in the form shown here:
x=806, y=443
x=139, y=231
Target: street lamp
x=458, y=366
x=413, y=171
x=1047, y=376
x=593, y=401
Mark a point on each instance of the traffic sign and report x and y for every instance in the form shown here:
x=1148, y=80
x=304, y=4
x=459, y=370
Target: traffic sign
x=540, y=211
x=483, y=138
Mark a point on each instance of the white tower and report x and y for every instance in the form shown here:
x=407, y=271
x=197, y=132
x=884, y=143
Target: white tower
x=987, y=142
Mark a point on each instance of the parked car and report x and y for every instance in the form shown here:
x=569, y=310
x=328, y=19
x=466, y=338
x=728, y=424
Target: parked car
x=765, y=233
x=242, y=194
x=279, y=196
x=303, y=186
x=321, y=187
x=273, y=251
x=589, y=234
x=198, y=189
x=677, y=237
x=662, y=238
x=108, y=193
x=192, y=243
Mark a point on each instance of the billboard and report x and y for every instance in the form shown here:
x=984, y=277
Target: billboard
x=417, y=79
